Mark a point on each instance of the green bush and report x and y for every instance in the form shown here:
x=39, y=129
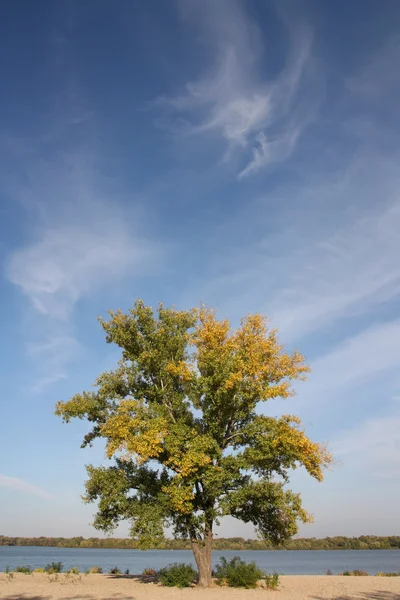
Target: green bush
x=6, y=569
x=115, y=571
x=272, y=581
x=383, y=574
x=40, y=570
x=237, y=573
x=356, y=573
x=73, y=571
x=54, y=567
x=25, y=570
x=177, y=575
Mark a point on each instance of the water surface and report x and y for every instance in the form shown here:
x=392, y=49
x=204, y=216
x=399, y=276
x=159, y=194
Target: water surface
x=288, y=562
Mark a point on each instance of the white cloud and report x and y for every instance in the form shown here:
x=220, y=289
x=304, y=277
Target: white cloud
x=233, y=100
x=20, y=485
x=266, y=151
x=347, y=274
x=84, y=235
x=374, y=445
x=330, y=253
x=69, y=262
x=355, y=361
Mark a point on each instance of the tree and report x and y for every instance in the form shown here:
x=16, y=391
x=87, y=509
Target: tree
x=179, y=418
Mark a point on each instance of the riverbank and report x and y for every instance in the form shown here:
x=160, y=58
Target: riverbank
x=40, y=586
x=364, y=542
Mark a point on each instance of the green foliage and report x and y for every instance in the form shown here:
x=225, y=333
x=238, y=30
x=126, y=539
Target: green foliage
x=356, y=573
x=40, y=570
x=383, y=574
x=177, y=575
x=22, y=569
x=115, y=571
x=364, y=542
x=237, y=573
x=95, y=570
x=272, y=581
x=179, y=417
x=6, y=569
x=54, y=567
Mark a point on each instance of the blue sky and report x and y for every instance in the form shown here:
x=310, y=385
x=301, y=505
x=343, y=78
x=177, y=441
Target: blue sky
x=241, y=154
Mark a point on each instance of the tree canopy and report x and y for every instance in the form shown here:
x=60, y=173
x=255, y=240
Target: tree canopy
x=180, y=421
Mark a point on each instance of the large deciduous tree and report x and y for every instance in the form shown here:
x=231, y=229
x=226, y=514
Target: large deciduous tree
x=179, y=416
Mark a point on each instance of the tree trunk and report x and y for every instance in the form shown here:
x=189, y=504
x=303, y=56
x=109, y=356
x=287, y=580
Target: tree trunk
x=202, y=557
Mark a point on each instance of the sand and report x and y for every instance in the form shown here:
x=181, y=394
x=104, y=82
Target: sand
x=40, y=586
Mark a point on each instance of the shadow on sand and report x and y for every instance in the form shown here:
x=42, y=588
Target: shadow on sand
x=374, y=595
x=78, y=597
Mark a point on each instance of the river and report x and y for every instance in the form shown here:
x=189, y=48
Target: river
x=288, y=562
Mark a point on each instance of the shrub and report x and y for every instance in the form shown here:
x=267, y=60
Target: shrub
x=73, y=571
x=6, y=569
x=115, y=571
x=383, y=574
x=329, y=572
x=356, y=573
x=96, y=569
x=272, y=581
x=21, y=569
x=238, y=573
x=177, y=575
x=149, y=572
x=127, y=572
x=54, y=567
x=40, y=570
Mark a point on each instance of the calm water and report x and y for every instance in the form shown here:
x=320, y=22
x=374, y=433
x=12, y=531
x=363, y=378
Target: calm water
x=299, y=562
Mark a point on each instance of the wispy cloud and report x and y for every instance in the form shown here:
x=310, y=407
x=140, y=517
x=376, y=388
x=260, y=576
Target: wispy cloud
x=346, y=274
x=373, y=445
x=332, y=254
x=357, y=360
x=69, y=262
x=82, y=237
x=52, y=355
x=20, y=485
x=233, y=100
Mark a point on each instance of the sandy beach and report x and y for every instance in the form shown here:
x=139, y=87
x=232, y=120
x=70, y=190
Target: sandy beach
x=105, y=587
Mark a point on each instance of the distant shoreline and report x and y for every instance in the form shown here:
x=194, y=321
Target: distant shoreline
x=235, y=543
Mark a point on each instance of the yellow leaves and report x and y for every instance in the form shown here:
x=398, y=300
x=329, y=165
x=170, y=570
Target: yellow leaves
x=181, y=370
x=233, y=380
x=188, y=463
x=180, y=497
x=133, y=430
x=188, y=451
x=312, y=455
x=248, y=361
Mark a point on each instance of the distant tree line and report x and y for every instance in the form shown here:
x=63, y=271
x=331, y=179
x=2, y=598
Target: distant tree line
x=364, y=542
